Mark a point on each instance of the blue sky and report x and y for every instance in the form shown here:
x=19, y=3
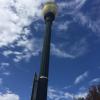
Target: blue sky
x=75, y=46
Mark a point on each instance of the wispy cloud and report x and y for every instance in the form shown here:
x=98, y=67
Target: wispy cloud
x=88, y=22
x=64, y=26
x=71, y=6
x=4, y=66
x=81, y=78
x=55, y=94
x=95, y=81
x=73, y=51
x=60, y=53
x=79, y=48
x=84, y=94
x=6, y=73
x=67, y=87
x=28, y=49
x=82, y=88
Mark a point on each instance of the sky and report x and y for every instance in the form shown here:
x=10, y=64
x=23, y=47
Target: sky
x=75, y=45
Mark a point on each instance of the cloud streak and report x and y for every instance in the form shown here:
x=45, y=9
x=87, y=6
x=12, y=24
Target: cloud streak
x=86, y=21
x=54, y=94
x=60, y=53
x=71, y=6
x=95, y=81
x=81, y=78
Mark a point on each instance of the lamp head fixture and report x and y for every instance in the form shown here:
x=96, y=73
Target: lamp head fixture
x=50, y=8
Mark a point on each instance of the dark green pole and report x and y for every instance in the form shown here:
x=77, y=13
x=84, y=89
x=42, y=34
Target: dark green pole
x=46, y=46
x=44, y=70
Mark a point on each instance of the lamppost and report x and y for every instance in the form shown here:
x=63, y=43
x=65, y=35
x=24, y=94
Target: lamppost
x=39, y=91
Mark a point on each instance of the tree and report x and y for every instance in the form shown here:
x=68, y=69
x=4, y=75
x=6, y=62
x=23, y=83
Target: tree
x=94, y=93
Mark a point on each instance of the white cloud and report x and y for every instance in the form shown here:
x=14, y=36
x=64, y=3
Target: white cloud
x=82, y=88
x=79, y=48
x=81, y=95
x=87, y=22
x=52, y=93
x=81, y=77
x=75, y=50
x=14, y=17
x=68, y=95
x=96, y=80
x=6, y=73
x=4, y=69
x=4, y=66
x=30, y=47
x=67, y=87
x=63, y=26
x=71, y=6
x=55, y=94
x=9, y=96
x=60, y=53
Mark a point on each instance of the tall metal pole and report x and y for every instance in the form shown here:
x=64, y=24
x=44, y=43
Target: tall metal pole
x=40, y=86
x=49, y=17
x=43, y=78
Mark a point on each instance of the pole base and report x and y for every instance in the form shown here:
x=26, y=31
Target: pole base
x=42, y=89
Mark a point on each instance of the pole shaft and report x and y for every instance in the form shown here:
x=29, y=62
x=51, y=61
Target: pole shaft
x=42, y=84
x=44, y=70
x=46, y=49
